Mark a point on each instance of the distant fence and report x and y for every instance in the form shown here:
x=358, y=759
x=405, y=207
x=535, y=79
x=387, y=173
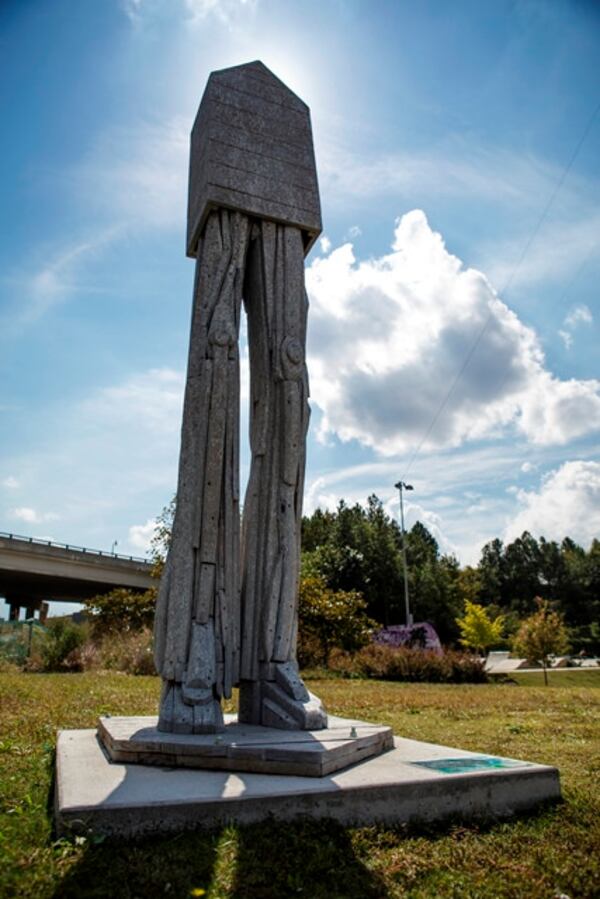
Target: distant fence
x=80, y=549
x=16, y=639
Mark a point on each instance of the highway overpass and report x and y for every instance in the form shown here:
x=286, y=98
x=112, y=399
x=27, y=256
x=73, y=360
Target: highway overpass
x=33, y=571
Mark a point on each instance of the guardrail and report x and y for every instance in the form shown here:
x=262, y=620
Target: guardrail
x=80, y=549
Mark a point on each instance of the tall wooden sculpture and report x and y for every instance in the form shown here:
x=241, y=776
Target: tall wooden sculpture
x=227, y=614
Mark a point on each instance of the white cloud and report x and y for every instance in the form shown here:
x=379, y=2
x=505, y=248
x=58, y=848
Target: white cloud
x=41, y=288
x=10, y=482
x=325, y=244
x=497, y=181
x=147, y=403
x=566, y=337
x=567, y=504
x=569, y=232
x=99, y=458
x=527, y=467
x=31, y=516
x=193, y=12
x=389, y=335
x=579, y=315
x=140, y=535
x=225, y=10
x=138, y=175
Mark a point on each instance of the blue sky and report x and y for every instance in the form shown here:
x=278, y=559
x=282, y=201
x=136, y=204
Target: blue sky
x=459, y=167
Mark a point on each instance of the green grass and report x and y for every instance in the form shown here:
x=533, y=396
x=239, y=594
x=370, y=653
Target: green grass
x=541, y=856
x=562, y=677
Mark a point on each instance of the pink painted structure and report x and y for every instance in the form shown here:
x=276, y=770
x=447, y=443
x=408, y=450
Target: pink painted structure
x=421, y=635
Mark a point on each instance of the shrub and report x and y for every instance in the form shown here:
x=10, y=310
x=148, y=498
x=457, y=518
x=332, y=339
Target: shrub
x=59, y=649
x=478, y=629
x=130, y=652
x=327, y=619
x=405, y=664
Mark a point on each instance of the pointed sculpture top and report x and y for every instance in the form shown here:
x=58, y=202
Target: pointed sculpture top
x=252, y=150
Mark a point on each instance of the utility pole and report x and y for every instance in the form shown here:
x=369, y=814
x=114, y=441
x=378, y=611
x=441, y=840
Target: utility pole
x=400, y=486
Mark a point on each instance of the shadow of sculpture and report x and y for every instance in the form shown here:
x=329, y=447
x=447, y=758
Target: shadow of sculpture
x=269, y=860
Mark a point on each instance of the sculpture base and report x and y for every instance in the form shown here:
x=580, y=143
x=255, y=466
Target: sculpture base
x=246, y=747
x=415, y=783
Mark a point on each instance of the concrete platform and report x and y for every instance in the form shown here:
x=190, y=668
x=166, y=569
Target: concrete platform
x=413, y=783
x=246, y=747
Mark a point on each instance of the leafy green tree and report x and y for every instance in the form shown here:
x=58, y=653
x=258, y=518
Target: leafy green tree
x=161, y=539
x=469, y=584
x=491, y=572
x=478, y=630
x=122, y=610
x=329, y=618
x=317, y=529
x=522, y=568
x=541, y=635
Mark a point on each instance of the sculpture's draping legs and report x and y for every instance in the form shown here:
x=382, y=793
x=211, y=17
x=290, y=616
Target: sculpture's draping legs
x=271, y=690
x=197, y=639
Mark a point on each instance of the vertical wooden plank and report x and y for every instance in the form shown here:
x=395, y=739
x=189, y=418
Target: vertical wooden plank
x=213, y=473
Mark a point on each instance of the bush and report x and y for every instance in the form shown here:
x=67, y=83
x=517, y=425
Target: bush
x=405, y=664
x=60, y=647
x=130, y=653
x=328, y=619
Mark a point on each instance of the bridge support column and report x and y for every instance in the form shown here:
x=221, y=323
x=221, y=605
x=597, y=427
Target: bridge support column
x=14, y=609
x=16, y=603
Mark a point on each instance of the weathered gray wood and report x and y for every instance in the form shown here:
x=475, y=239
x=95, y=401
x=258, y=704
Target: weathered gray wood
x=214, y=458
x=205, y=591
x=256, y=169
x=289, y=583
x=253, y=211
x=292, y=428
x=289, y=679
x=201, y=667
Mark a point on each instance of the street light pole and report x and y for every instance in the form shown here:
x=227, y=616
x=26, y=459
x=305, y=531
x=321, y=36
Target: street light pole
x=402, y=486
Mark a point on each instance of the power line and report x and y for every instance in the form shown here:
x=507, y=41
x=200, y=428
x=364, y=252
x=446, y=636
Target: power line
x=503, y=290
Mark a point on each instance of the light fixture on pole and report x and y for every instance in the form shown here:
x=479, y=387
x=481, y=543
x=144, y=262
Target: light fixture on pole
x=400, y=486
x=114, y=546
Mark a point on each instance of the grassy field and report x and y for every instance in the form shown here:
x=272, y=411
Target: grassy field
x=562, y=677
x=545, y=855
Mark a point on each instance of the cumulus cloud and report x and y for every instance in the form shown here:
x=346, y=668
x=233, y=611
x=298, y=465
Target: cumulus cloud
x=389, y=335
x=31, y=516
x=579, y=315
x=567, y=504
x=140, y=535
x=10, y=482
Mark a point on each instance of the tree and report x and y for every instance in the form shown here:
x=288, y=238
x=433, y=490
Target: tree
x=161, y=538
x=128, y=610
x=478, y=630
x=329, y=618
x=469, y=584
x=541, y=635
x=122, y=610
